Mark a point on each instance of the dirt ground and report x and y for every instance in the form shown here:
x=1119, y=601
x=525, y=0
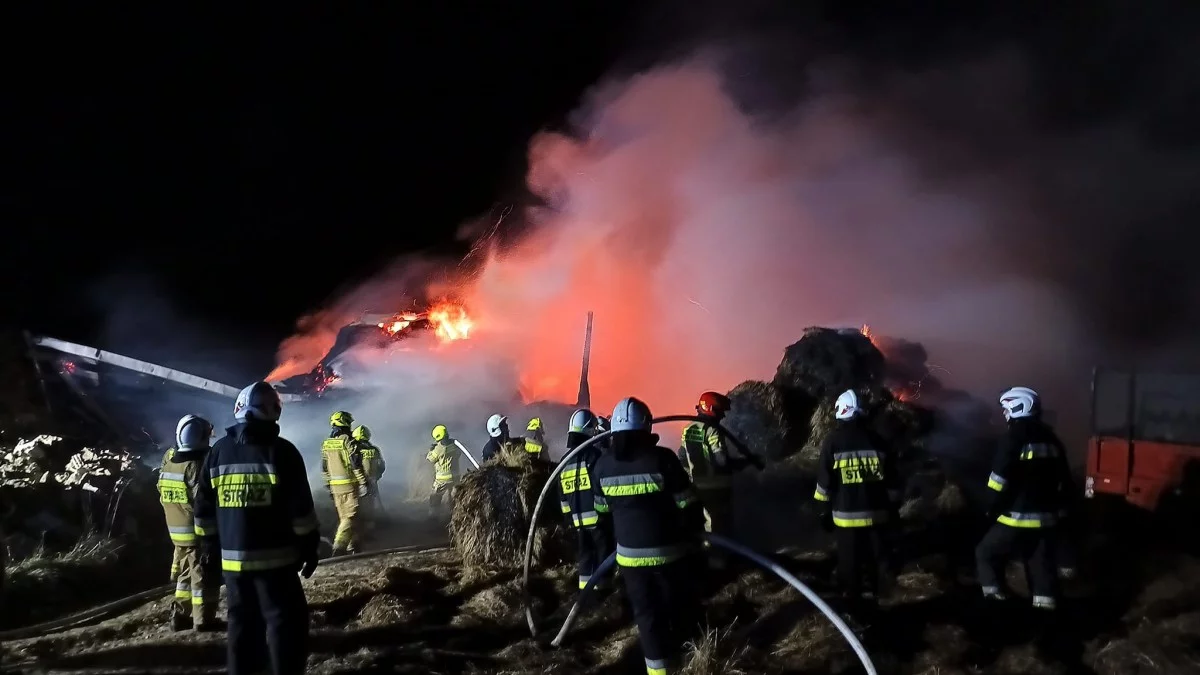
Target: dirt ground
x=1135, y=611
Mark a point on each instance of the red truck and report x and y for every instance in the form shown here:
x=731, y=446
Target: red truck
x=1145, y=443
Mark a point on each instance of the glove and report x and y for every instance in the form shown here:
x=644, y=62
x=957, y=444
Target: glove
x=363, y=491
x=827, y=521
x=206, y=552
x=308, y=565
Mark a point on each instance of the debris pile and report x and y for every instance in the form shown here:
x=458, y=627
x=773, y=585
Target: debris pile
x=34, y=461
x=492, y=510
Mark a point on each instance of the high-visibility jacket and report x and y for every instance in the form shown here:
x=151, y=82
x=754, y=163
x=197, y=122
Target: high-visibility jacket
x=576, y=491
x=855, y=475
x=372, y=460
x=177, y=492
x=341, y=463
x=444, y=456
x=656, y=514
x=1030, y=476
x=534, y=445
x=253, y=497
x=703, y=455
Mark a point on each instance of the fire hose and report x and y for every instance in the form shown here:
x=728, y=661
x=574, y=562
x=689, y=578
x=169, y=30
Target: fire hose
x=118, y=606
x=468, y=454
x=732, y=546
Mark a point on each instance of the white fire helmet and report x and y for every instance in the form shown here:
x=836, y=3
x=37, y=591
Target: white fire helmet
x=494, y=424
x=1019, y=402
x=846, y=406
x=583, y=421
x=193, y=433
x=631, y=415
x=260, y=402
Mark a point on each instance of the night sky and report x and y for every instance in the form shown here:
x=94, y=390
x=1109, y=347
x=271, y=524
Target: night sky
x=246, y=166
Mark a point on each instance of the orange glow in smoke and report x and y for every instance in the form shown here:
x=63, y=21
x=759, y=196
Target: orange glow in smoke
x=399, y=322
x=450, y=322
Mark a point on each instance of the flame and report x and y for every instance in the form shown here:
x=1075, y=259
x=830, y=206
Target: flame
x=399, y=322
x=450, y=322
x=324, y=378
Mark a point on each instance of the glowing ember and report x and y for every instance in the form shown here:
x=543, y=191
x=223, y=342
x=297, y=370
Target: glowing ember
x=324, y=378
x=68, y=367
x=450, y=322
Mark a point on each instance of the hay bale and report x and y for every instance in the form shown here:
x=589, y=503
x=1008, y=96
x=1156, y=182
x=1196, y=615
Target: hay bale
x=492, y=509
x=385, y=609
x=825, y=362
x=757, y=417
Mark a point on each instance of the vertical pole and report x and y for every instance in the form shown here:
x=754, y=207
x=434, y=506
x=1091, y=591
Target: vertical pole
x=585, y=394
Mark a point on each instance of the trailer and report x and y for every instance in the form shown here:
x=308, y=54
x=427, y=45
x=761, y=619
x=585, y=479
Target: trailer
x=1145, y=441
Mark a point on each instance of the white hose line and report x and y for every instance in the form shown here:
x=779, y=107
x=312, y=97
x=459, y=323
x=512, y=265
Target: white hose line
x=807, y=592
x=537, y=509
x=765, y=563
x=468, y=454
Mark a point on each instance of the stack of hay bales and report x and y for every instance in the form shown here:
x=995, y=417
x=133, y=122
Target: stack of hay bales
x=758, y=418
x=492, y=510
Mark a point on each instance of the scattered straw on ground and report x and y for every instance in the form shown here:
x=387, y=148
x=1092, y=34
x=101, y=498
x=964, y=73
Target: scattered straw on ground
x=716, y=652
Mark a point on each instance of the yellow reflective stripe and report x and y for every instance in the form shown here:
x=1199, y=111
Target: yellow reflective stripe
x=996, y=482
x=171, y=483
x=235, y=479
x=566, y=508
x=821, y=494
x=181, y=539
x=341, y=481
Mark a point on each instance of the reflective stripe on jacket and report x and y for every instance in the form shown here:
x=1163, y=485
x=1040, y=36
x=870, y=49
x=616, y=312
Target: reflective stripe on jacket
x=177, y=491
x=856, y=476
x=1030, y=476
x=372, y=460
x=703, y=455
x=341, y=464
x=655, y=512
x=444, y=457
x=252, y=495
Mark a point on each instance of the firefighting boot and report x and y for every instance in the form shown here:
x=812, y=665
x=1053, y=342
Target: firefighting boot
x=211, y=626
x=180, y=622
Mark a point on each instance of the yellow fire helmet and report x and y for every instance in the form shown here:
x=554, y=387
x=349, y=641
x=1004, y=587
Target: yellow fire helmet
x=341, y=418
x=439, y=432
x=534, y=424
x=362, y=433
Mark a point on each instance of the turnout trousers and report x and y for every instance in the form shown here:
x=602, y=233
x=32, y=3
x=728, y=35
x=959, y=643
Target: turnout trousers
x=1034, y=546
x=666, y=609
x=441, y=489
x=347, y=537
x=268, y=622
x=188, y=576
x=862, y=559
x=595, y=544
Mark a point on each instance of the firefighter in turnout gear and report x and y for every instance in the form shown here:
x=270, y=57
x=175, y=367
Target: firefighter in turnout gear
x=443, y=455
x=535, y=439
x=497, y=428
x=373, y=468
x=576, y=496
x=1030, y=481
x=342, y=466
x=196, y=591
x=254, y=510
x=857, y=492
x=658, y=526
x=702, y=452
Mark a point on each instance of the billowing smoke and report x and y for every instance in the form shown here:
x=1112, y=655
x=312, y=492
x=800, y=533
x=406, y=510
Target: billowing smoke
x=706, y=236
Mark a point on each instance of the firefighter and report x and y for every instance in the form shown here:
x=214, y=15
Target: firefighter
x=857, y=491
x=1030, y=483
x=443, y=454
x=575, y=492
x=702, y=452
x=255, y=512
x=177, y=484
x=658, y=525
x=342, y=466
x=535, y=439
x=373, y=468
x=497, y=428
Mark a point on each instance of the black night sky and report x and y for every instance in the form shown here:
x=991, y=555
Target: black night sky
x=247, y=164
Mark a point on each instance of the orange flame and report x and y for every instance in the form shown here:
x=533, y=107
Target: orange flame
x=451, y=322
x=399, y=322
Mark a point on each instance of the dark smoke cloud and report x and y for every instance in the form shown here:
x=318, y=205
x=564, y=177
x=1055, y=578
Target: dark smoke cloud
x=993, y=197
